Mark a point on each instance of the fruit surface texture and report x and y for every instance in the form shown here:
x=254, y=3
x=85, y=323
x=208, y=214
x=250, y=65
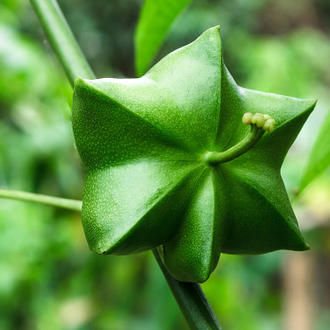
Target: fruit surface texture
x=166, y=166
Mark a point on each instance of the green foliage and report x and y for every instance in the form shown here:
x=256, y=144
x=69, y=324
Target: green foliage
x=44, y=256
x=156, y=18
x=319, y=159
x=145, y=144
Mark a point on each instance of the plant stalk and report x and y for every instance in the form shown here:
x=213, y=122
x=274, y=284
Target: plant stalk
x=189, y=296
x=64, y=203
x=62, y=40
x=215, y=158
x=191, y=300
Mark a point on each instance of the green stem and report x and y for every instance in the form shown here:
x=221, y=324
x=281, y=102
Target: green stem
x=189, y=296
x=62, y=40
x=255, y=134
x=191, y=300
x=64, y=203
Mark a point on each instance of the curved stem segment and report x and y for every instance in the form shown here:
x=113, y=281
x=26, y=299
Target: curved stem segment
x=191, y=300
x=64, y=203
x=189, y=296
x=62, y=40
x=214, y=158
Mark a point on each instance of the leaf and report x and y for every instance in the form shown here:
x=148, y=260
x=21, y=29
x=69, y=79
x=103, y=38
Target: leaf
x=155, y=173
x=156, y=18
x=319, y=159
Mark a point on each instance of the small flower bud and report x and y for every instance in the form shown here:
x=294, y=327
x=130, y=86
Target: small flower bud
x=258, y=119
x=266, y=122
x=247, y=118
x=269, y=125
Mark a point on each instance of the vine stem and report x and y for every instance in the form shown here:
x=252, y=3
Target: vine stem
x=64, y=203
x=62, y=40
x=191, y=300
x=189, y=296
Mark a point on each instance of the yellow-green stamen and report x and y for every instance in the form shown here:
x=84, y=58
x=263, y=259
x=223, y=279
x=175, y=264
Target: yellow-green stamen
x=259, y=125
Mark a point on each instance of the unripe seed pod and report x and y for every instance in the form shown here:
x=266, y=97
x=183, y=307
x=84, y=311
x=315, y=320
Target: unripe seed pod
x=167, y=167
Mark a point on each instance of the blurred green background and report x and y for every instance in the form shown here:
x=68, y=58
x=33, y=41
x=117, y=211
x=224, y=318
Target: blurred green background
x=48, y=277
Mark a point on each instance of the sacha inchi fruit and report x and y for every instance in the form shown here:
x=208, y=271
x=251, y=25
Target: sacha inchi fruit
x=170, y=164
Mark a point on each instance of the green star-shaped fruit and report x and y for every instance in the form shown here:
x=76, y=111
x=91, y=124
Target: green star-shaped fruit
x=170, y=164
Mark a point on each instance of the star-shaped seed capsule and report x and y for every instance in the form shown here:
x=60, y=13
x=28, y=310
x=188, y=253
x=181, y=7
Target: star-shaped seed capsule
x=169, y=163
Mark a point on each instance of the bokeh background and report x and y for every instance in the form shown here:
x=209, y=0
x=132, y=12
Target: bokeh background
x=48, y=277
